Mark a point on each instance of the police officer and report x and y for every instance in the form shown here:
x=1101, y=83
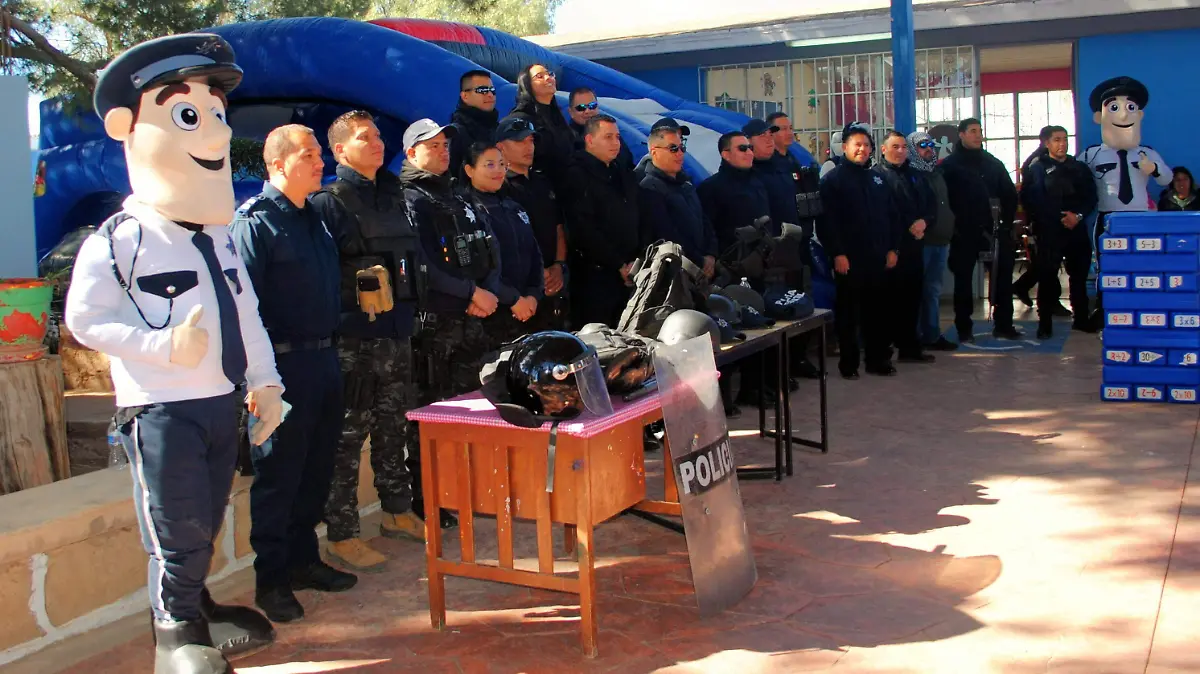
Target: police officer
x=668, y=206
x=667, y=124
x=529, y=187
x=1058, y=193
x=583, y=106
x=292, y=262
x=159, y=288
x=461, y=261
x=733, y=197
x=519, y=290
x=366, y=213
x=475, y=118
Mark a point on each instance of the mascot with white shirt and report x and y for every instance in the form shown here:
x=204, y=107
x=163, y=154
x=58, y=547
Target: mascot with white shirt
x=1121, y=165
x=160, y=289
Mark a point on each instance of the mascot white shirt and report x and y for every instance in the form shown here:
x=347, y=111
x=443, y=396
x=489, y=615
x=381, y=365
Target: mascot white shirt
x=1121, y=166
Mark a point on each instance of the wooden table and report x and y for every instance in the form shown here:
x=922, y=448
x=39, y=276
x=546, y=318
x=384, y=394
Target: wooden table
x=475, y=463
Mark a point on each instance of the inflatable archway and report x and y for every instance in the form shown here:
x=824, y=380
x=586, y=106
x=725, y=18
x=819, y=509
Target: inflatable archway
x=309, y=70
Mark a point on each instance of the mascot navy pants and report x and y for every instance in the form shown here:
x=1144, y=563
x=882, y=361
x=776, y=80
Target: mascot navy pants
x=293, y=469
x=182, y=457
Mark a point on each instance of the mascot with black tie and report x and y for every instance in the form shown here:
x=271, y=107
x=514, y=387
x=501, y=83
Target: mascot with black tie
x=1121, y=165
x=175, y=366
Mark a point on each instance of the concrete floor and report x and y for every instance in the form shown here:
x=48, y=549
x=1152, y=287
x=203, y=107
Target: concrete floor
x=982, y=514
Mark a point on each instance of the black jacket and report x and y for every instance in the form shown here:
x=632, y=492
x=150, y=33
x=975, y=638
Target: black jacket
x=471, y=125
x=536, y=195
x=861, y=219
x=912, y=195
x=1167, y=202
x=601, y=205
x=973, y=177
x=383, y=196
x=520, y=258
x=1050, y=187
x=438, y=213
x=624, y=155
x=732, y=198
x=555, y=144
x=670, y=210
x=776, y=175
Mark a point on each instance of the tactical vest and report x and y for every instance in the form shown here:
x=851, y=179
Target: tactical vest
x=467, y=247
x=379, y=235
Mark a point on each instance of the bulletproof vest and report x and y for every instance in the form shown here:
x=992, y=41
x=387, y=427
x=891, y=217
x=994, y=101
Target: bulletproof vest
x=378, y=235
x=808, y=191
x=467, y=247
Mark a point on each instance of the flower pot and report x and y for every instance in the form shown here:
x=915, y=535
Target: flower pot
x=24, y=311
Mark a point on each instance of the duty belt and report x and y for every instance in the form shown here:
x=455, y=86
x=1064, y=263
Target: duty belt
x=310, y=345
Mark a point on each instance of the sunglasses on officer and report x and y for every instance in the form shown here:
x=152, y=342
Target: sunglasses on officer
x=483, y=91
x=743, y=147
x=580, y=107
x=925, y=144
x=672, y=148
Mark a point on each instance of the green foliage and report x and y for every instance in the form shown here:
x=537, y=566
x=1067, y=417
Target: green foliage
x=246, y=159
x=519, y=17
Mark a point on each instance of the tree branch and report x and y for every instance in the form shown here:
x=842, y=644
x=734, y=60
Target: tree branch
x=52, y=56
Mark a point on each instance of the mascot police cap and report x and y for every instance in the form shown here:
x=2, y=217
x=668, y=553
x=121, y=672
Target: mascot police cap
x=174, y=58
x=1119, y=86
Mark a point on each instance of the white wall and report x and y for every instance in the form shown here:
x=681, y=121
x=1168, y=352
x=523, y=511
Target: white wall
x=18, y=251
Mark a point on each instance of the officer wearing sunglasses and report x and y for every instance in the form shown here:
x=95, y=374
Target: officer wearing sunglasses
x=475, y=119
x=584, y=106
x=733, y=197
x=668, y=205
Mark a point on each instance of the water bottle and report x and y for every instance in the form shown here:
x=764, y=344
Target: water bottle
x=745, y=282
x=116, y=450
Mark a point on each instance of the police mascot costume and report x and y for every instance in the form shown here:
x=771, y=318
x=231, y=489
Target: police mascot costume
x=1121, y=165
x=159, y=289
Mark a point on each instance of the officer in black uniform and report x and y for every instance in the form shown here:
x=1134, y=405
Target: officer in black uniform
x=366, y=213
x=292, y=262
x=1058, y=192
x=460, y=260
x=733, y=197
x=529, y=187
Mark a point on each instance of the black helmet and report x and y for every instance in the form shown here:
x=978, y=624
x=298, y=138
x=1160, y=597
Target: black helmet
x=745, y=296
x=723, y=308
x=546, y=376
x=685, y=324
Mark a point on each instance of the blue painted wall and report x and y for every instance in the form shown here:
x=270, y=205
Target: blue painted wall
x=1169, y=124
x=683, y=82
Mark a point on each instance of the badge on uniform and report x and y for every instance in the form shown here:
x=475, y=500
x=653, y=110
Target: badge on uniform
x=524, y=217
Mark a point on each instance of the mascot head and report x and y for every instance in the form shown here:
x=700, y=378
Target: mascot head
x=1118, y=106
x=165, y=100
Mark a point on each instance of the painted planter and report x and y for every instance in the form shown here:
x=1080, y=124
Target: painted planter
x=24, y=311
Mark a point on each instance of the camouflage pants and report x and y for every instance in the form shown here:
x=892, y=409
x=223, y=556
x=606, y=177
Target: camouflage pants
x=379, y=390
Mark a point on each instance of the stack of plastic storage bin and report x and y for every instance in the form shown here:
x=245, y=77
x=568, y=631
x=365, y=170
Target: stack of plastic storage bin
x=1149, y=266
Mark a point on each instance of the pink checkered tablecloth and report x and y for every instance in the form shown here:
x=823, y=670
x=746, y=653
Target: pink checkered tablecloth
x=474, y=410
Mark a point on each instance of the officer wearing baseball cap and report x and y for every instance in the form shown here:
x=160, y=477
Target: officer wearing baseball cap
x=423, y=130
x=174, y=58
x=665, y=123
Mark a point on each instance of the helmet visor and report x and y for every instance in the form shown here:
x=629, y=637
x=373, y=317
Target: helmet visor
x=589, y=378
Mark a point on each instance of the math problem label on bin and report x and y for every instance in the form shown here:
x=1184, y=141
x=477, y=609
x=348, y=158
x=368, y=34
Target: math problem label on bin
x=1116, y=393
x=1114, y=244
x=1119, y=318
x=1180, y=283
x=1147, y=282
x=1183, y=358
x=1114, y=281
x=1148, y=244
x=1152, y=319
x=1185, y=321
x=1149, y=393
x=1145, y=357
x=1182, y=395
x=1118, y=356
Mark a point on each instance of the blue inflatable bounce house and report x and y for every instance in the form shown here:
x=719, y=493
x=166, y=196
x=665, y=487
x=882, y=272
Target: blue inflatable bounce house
x=298, y=71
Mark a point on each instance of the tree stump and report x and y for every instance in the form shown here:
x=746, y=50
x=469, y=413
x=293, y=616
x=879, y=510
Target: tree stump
x=33, y=429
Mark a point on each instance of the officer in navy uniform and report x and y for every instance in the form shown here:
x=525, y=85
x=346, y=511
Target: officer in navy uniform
x=160, y=289
x=292, y=262
x=1121, y=165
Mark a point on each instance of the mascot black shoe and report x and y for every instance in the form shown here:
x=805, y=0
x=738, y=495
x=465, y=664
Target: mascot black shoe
x=237, y=631
x=185, y=648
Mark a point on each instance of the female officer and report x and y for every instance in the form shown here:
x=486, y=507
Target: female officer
x=521, y=281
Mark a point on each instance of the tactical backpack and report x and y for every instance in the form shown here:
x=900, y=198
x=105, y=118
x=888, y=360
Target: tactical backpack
x=625, y=357
x=664, y=281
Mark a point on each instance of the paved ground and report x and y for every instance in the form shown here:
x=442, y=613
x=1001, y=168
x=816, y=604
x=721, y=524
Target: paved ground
x=983, y=514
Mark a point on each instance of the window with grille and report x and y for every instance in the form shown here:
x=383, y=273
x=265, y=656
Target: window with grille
x=1012, y=122
x=822, y=95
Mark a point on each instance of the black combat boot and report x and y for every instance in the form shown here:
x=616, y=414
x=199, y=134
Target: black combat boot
x=237, y=631
x=186, y=648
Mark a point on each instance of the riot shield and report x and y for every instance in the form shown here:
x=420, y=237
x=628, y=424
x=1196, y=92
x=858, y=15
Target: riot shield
x=714, y=522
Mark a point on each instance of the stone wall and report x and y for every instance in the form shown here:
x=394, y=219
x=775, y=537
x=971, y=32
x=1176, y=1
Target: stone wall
x=71, y=558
